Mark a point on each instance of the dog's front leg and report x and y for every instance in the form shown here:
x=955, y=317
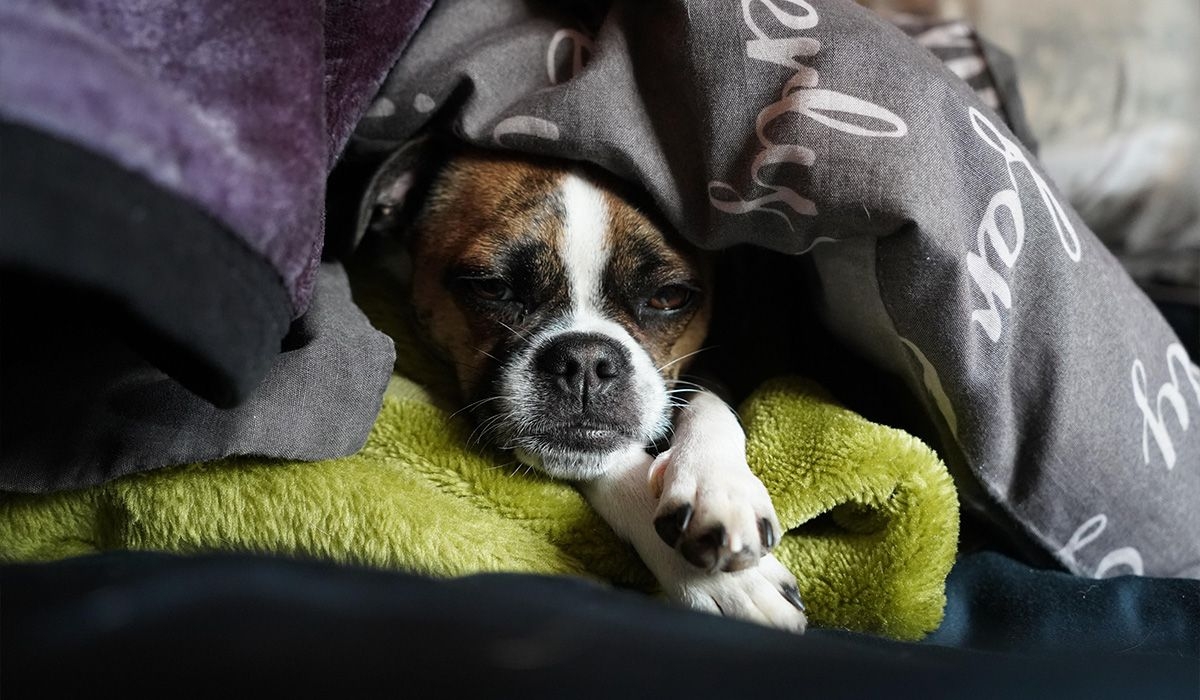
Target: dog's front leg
x=625, y=498
x=712, y=508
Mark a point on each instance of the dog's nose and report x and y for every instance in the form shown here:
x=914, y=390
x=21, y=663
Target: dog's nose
x=583, y=365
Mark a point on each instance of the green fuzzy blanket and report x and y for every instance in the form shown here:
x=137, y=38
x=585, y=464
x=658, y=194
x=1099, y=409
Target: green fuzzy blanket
x=871, y=512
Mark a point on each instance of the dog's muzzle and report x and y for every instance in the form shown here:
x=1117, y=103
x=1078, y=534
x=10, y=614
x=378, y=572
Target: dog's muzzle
x=581, y=369
x=583, y=383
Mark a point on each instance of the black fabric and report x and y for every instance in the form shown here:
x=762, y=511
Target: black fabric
x=996, y=603
x=236, y=624
x=197, y=302
x=80, y=407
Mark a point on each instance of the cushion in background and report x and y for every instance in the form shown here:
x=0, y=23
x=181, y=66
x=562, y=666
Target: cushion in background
x=1112, y=91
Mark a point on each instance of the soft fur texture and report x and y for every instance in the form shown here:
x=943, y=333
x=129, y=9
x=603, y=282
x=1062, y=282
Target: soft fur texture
x=871, y=512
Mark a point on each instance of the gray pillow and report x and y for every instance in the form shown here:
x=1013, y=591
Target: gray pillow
x=944, y=255
x=1113, y=94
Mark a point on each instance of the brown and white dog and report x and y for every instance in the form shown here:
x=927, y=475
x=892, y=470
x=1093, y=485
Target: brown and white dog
x=569, y=315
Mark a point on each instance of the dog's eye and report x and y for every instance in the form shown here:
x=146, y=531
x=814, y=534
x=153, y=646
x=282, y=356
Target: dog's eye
x=490, y=288
x=670, y=298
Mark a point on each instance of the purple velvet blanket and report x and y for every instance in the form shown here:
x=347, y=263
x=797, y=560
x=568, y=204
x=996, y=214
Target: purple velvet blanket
x=237, y=109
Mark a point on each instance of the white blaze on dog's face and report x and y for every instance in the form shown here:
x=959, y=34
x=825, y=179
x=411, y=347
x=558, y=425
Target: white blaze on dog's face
x=563, y=308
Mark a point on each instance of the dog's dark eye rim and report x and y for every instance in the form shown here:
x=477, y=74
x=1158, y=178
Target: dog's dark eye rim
x=673, y=297
x=493, y=289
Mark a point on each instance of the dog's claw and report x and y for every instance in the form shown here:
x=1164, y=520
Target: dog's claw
x=729, y=523
x=767, y=534
x=705, y=551
x=792, y=594
x=670, y=527
x=713, y=530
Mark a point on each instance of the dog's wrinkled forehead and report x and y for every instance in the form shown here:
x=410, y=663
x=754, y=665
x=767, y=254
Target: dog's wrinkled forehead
x=539, y=220
x=508, y=219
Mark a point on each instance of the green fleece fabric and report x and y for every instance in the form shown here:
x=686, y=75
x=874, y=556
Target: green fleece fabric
x=871, y=513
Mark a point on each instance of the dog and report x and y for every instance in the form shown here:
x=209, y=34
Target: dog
x=569, y=314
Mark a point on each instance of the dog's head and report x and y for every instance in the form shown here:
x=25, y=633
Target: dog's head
x=567, y=312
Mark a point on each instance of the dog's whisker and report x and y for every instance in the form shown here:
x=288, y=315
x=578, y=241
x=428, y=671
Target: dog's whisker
x=479, y=403
x=485, y=352
x=485, y=426
x=482, y=440
x=681, y=358
x=478, y=426
x=515, y=332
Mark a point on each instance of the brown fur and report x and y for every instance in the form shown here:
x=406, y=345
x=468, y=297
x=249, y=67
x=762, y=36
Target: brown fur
x=482, y=205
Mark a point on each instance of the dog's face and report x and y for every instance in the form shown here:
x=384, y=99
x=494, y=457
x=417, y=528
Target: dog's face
x=566, y=312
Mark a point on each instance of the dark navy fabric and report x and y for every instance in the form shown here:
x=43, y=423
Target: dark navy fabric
x=238, y=624
x=999, y=604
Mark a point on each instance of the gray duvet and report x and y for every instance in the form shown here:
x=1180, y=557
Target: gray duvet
x=944, y=254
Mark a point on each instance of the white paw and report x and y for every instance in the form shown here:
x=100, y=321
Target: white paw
x=717, y=515
x=765, y=594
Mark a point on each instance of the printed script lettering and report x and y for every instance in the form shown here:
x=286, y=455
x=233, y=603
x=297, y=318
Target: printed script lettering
x=1154, y=424
x=581, y=48
x=991, y=282
x=801, y=96
x=1126, y=557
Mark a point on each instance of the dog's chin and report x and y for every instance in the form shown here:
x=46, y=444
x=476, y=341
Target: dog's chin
x=581, y=454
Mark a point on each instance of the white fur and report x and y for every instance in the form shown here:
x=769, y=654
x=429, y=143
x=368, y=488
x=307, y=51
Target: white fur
x=705, y=467
x=584, y=251
x=584, y=246
x=623, y=498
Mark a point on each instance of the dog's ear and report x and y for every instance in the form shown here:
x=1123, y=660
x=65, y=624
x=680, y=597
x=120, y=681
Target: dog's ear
x=397, y=191
x=381, y=197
